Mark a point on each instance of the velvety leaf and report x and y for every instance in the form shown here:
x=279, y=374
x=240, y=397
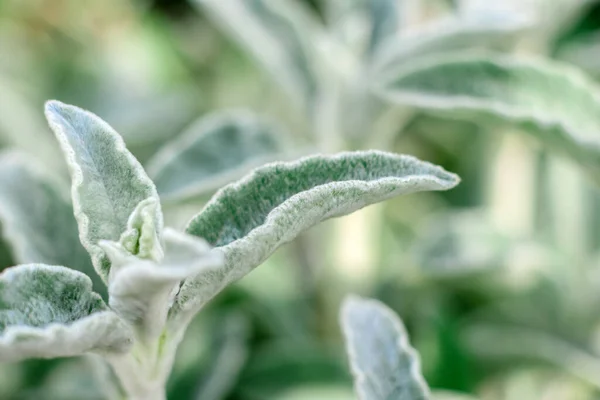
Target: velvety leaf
x=51, y=311
x=449, y=35
x=249, y=219
x=557, y=104
x=213, y=152
x=141, y=291
x=384, y=364
x=279, y=34
x=37, y=218
x=108, y=182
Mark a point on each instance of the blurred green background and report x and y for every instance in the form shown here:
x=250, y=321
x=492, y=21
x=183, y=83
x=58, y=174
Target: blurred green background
x=496, y=280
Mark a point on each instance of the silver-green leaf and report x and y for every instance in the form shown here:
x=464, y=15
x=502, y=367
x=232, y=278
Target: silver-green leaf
x=279, y=34
x=214, y=151
x=447, y=35
x=557, y=104
x=51, y=311
x=142, y=291
x=108, y=182
x=248, y=220
x=384, y=364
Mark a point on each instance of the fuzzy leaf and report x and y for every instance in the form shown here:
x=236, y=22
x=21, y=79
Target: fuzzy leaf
x=141, y=291
x=278, y=34
x=557, y=104
x=108, y=182
x=384, y=364
x=213, y=152
x=50, y=311
x=251, y=218
x=448, y=35
x=37, y=219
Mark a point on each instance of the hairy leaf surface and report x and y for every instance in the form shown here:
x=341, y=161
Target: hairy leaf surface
x=384, y=364
x=51, y=311
x=107, y=181
x=141, y=291
x=557, y=104
x=213, y=152
x=249, y=219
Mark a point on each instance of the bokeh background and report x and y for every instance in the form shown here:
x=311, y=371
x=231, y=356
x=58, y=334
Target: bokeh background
x=497, y=280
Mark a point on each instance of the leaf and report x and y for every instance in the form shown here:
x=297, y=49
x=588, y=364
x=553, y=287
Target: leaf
x=449, y=395
x=142, y=291
x=555, y=103
x=447, y=35
x=37, y=219
x=384, y=364
x=279, y=34
x=248, y=220
x=50, y=311
x=213, y=152
x=108, y=182
x=458, y=244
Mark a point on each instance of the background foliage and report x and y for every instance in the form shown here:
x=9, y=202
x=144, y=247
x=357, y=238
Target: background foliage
x=497, y=280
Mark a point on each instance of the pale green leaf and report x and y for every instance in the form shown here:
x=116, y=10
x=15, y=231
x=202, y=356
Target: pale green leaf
x=279, y=34
x=447, y=35
x=37, y=218
x=458, y=244
x=108, y=182
x=384, y=364
x=51, y=311
x=214, y=151
x=557, y=104
x=141, y=291
x=249, y=219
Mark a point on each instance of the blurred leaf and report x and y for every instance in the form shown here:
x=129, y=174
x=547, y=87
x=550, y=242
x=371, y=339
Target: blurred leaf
x=450, y=34
x=248, y=220
x=519, y=343
x=51, y=311
x=447, y=395
x=37, y=219
x=231, y=356
x=108, y=182
x=279, y=34
x=384, y=364
x=458, y=244
x=557, y=104
x=214, y=151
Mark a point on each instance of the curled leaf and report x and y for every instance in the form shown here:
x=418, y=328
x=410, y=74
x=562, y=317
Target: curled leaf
x=108, y=182
x=51, y=311
x=249, y=219
x=142, y=291
x=557, y=104
x=384, y=364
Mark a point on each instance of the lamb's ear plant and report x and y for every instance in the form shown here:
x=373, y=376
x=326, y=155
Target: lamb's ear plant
x=159, y=278
x=383, y=363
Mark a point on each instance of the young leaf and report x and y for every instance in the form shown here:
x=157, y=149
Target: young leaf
x=446, y=35
x=249, y=219
x=107, y=181
x=37, y=219
x=213, y=152
x=557, y=104
x=141, y=291
x=384, y=364
x=279, y=35
x=50, y=311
